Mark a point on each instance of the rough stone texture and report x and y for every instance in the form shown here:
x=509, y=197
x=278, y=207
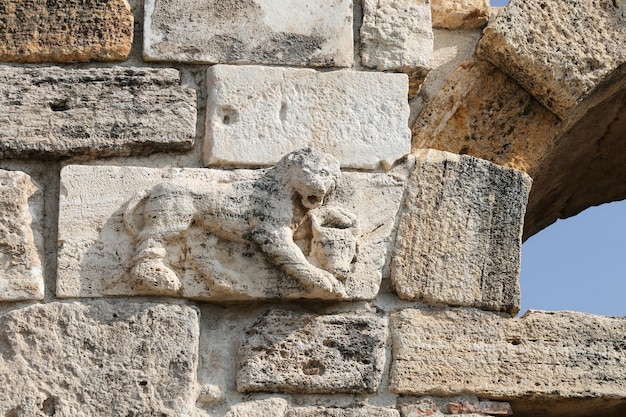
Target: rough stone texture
x=304, y=353
x=560, y=51
x=98, y=359
x=103, y=233
x=397, y=35
x=366, y=411
x=21, y=244
x=460, y=233
x=485, y=407
x=51, y=112
x=257, y=114
x=481, y=112
x=302, y=32
x=460, y=14
x=543, y=354
x=271, y=407
x=65, y=30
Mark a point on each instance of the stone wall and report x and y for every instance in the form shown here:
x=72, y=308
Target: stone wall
x=229, y=208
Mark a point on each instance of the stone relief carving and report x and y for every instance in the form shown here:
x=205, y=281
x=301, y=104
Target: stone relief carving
x=301, y=229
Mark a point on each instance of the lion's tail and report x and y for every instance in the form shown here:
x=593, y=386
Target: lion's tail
x=132, y=216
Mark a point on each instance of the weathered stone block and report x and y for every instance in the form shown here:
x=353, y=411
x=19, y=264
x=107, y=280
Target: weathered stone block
x=21, y=244
x=303, y=353
x=299, y=230
x=558, y=50
x=397, y=35
x=51, y=112
x=303, y=32
x=491, y=408
x=257, y=114
x=65, y=30
x=460, y=14
x=543, y=355
x=98, y=359
x=460, y=233
x=270, y=407
x=366, y=411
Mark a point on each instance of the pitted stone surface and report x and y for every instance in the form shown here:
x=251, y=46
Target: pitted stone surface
x=257, y=114
x=21, y=245
x=367, y=411
x=397, y=35
x=102, y=233
x=560, y=51
x=302, y=32
x=271, y=407
x=460, y=14
x=460, y=233
x=544, y=355
x=51, y=112
x=304, y=353
x=98, y=359
x=65, y=30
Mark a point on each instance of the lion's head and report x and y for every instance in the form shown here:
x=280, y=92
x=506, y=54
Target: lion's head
x=311, y=174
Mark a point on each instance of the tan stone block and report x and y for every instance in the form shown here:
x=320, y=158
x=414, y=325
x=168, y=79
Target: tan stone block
x=304, y=353
x=271, y=407
x=65, y=30
x=491, y=408
x=98, y=359
x=559, y=51
x=460, y=14
x=543, y=355
x=21, y=244
x=459, y=234
x=366, y=411
x=51, y=112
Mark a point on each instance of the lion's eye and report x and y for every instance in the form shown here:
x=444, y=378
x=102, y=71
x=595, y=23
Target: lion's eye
x=324, y=173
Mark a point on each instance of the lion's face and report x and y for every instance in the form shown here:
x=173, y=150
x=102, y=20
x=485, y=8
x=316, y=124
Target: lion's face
x=312, y=175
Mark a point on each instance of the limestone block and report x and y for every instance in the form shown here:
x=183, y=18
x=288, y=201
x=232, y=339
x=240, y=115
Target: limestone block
x=271, y=407
x=543, y=355
x=460, y=14
x=560, y=51
x=396, y=35
x=51, y=112
x=21, y=244
x=491, y=408
x=302, y=32
x=460, y=233
x=257, y=114
x=65, y=30
x=366, y=411
x=299, y=230
x=98, y=359
x=483, y=113
x=303, y=353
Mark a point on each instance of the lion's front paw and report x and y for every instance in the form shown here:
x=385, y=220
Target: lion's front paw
x=152, y=276
x=325, y=284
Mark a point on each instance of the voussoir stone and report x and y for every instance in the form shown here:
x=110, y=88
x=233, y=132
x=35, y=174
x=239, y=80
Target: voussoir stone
x=65, y=30
x=98, y=359
x=304, y=353
x=560, y=51
x=304, y=32
x=256, y=114
x=366, y=411
x=460, y=14
x=543, y=355
x=51, y=112
x=397, y=35
x=21, y=244
x=460, y=232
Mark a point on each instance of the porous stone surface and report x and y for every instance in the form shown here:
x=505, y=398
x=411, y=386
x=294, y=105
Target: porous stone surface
x=300, y=230
x=304, y=353
x=51, y=112
x=396, y=35
x=366, y=411
x=21, y=244
x=257, y=114
x=542, y=355
x=460, y=14
x=492, y=408
x=65, y=30
x=460, y=232
x=483, y=113
x=302, y=32
x=98, y=359
x=558, y=50
x=271, y=407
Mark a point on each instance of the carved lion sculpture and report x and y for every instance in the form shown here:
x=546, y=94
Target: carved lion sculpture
x=260, y=211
